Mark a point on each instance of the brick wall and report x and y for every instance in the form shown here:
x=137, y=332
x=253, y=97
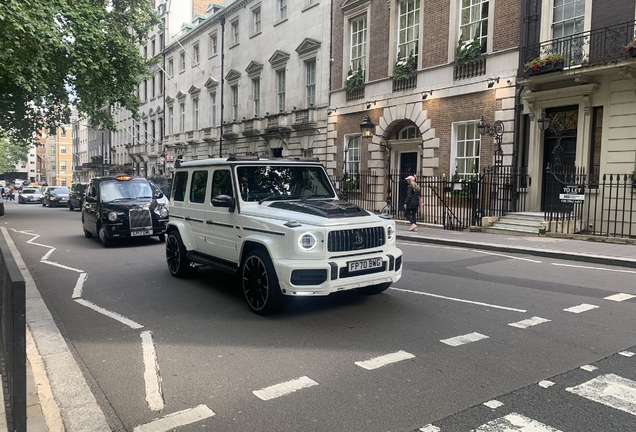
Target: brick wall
x=609, y=12
x=507, y=24
x=379, y=41
x=337, y=46
x=434, y=47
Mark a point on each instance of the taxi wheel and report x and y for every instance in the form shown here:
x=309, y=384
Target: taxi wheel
x=106, y=242
x=375, y=289
x=162, y=238
x=70, y=206
x=260, y=284
x=178, y=265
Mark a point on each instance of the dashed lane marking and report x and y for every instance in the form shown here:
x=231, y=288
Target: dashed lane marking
x=529, y=322
x=79, y=285
x=113, y=315
x=515, y=422
x=429, y=428
x=384, y=360
x=626, y=353
x=594, y=268
x=461, y=340
x=580, y=308
x=507, y=256
x=175, y=420
x=620, y=297
x=610, y=390
x=459, y=300
x=151, y=372
x=589, y=368
x=285, y=388
x=493, y=404
x=545, y=384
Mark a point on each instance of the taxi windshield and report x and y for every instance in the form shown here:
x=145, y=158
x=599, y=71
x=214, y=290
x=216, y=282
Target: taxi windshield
x=124, y=190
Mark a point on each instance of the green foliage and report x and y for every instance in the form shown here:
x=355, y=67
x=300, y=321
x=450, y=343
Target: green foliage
x=11, y=154
x=463, y=190
x=57, y=53
x=352, y=182
x=467, y=50
x=355, y=79
x=404, y=69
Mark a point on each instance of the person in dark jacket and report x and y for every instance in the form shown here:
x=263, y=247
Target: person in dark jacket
x=411, y=202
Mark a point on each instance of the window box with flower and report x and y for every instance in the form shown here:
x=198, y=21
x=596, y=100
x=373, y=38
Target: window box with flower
x=405, y=68
x=544, y=63
x=630, y=48
x=467, y=50
x=354, y=80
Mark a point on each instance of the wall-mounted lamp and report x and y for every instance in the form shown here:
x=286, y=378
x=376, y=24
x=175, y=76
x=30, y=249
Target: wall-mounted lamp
x=426, y=93
x=369, y=104
x=492, y=81
x=329, y=111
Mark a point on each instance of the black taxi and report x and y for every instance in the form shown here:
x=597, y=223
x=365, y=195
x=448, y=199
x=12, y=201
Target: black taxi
x=123, y=206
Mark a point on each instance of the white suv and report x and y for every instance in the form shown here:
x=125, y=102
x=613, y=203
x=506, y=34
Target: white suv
x=280, y=225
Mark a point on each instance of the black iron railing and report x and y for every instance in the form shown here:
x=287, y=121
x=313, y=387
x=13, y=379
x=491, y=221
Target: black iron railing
x=586, y=48
x=13, y=340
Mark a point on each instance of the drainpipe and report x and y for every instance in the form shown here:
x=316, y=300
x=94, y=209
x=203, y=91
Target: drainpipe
x=222, y=82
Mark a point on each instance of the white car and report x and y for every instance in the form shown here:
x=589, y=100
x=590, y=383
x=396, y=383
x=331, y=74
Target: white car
x=30, y=195
x=280, y=225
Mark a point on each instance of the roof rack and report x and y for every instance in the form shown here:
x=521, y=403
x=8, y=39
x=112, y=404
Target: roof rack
x=242, y=158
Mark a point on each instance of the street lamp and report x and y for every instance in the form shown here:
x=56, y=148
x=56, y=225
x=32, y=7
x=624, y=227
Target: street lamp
x=367, y=130
x=496, y=131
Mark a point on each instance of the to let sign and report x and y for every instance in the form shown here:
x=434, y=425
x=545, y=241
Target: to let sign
x=572, y=194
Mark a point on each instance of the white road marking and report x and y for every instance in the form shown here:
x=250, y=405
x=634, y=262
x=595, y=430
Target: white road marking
x=529, y=322
x=626, y=353
x=594, y=268
x=432, y=246
x=461, y=340
x=44, y=261
x=110, y=314
x=620, y=297
x=584, y=307
x=545, y=384
x=384, y=360
x=282, y=389
x=493, y=404
x=515, y=422
x=151, y=372
x=48, y=254
x=507, y=256
x=175, y=420
x=460, y=300
x=589, y=368
x=611, y=390
x=429, y=428
x=79, y=285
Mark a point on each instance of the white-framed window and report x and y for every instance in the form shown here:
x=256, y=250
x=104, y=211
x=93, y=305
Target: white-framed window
x=256, y=19
x=153, y=131
x=213, y=109
x=195, y=114
x=160, y=82
x=62, y=165
x=353, y=148
x=466, y=143
x=63, y=180
x=568, y=17
x=154, y=87
x=62, y=150
x=235, y=101
x=409, y=132
x=280, y=89
x=195, y=55
x=171, y=68
x=256, y=96
x=145, y=132
x=234, y=26
x=281, y=10
x=182, y=63
x=408, y=29
x=182, y=117
x=310, y=82
x=213, y=47
x=473, y=21
x=160, y=128
x=63, y=133
x=145, y=89
x=308, y=153
x=170, y=121
x=153, y=47
x=359, y=43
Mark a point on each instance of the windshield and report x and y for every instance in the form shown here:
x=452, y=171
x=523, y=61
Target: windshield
x=31, y=191
x=123, y=190
x=59, y=190
x=272, y=182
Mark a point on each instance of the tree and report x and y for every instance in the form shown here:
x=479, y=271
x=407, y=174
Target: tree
x=57, y=52
x=11, y=154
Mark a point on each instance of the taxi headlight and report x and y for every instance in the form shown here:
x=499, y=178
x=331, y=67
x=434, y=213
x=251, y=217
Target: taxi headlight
x=162, y=211
x=390, y=233
x=112, y=216
x=307, y=241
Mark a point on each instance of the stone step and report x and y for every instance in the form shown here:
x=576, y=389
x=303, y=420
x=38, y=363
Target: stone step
x=511, y=231
x=506, y=226
x=522, y=222
x=518, y=216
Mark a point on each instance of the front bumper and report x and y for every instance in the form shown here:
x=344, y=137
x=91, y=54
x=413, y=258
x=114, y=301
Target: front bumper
x=321, y=278
x=120, y=230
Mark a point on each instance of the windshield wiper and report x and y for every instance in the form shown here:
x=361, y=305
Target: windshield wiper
x=278, y=197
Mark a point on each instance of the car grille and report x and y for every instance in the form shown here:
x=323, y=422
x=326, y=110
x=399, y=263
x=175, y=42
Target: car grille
x=140, y=218
x=355, y=239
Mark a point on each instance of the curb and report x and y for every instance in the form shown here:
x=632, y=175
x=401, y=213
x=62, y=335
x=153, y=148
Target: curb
x=589, y=258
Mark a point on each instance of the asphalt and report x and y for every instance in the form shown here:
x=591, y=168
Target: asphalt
x=59, y=399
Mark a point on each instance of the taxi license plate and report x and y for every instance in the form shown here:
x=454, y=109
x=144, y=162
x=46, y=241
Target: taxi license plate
x=356, y=266
x=140, y=233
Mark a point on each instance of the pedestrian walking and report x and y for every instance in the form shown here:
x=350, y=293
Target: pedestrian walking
x=411, y=202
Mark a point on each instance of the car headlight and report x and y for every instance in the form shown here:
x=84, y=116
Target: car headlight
x=307, y=241
x=112, y=216
x=162, y=211
x=390, y=233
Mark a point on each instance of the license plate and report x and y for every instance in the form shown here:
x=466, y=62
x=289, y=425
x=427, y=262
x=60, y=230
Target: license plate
x=140, y=233
x=356, y=266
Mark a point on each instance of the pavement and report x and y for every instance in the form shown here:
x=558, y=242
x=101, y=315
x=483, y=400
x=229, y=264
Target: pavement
x=74, y=409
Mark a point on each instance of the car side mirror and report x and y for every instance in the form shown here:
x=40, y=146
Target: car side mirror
x=224, y=201
x=90, y=199
x=158, y=195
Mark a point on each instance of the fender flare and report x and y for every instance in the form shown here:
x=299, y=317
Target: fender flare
x=182, y=228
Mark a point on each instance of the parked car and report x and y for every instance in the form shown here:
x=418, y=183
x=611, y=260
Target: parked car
x=76, y=195
x=55, y=196
x=1, y=206
x=122, y=206
x=30, y=195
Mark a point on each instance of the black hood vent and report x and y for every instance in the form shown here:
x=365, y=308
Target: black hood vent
x=326, y=209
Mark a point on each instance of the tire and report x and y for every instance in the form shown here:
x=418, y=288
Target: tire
x=43, y=203
x=162, y=238
x=87, y=234
x=260, y=284
x=2, y=211
x=178, y=265
x=70, y=206
x=103, y=237
x=375, y=289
